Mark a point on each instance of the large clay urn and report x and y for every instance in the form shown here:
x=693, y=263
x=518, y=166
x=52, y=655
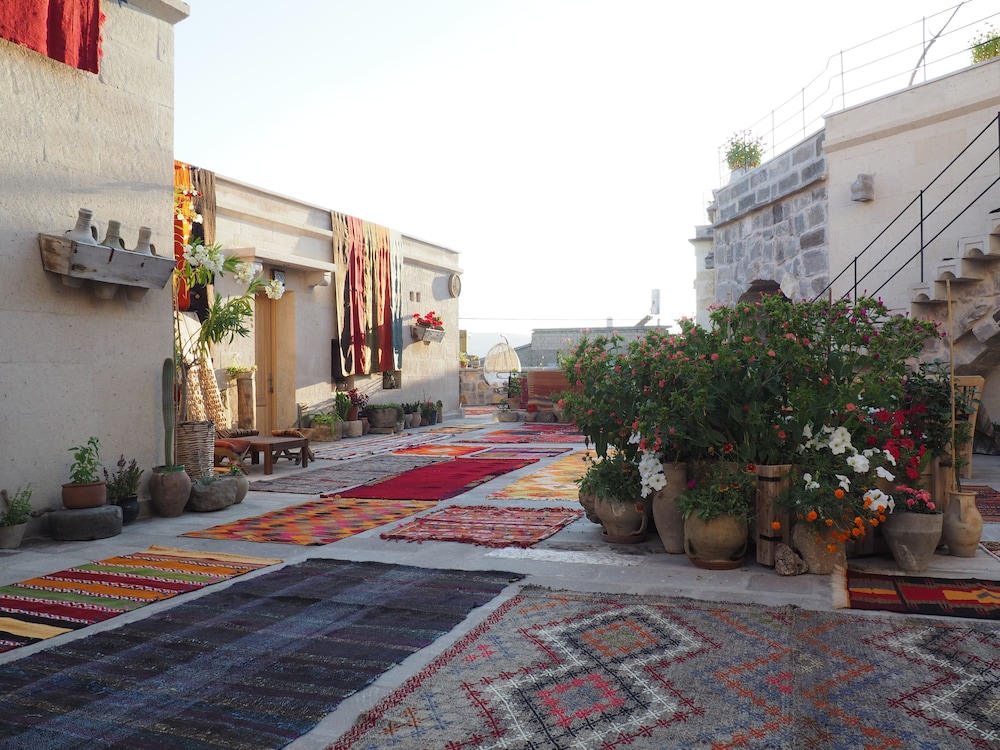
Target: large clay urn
x=169, y=490
x=912, y=538
x=718, y=544
x=963, y=524
x=668, y=519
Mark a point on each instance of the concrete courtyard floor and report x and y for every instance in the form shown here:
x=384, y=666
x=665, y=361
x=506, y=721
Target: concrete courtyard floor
x=576, y=558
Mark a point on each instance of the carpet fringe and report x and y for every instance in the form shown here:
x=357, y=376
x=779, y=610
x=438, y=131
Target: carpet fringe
x=838, y=583
x=220, y=556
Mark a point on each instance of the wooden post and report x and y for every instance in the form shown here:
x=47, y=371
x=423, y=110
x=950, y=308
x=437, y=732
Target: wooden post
x=244, y=401
x=772, y=481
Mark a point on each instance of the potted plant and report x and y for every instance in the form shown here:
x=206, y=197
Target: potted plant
x=613, y=482
x=123, y=488
x=325, y=426
x=342, y=405
x=985, y=45
x=428, y=413
x=744, y=150
x=212, y=492
x=359, y=400
x=716, y=507
x=384, y=416
x=427, y=327
x=440, y=411
x=14, y=519
x=513, y=390
x=415, y=417
x=169, y=484
x=85, y=488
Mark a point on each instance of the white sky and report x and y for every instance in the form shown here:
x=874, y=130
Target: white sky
x=566, y=148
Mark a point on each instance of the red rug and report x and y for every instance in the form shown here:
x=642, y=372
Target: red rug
x=437, y=450
x=987, y=501
x=545, y=433
x=438, y=481
x=918, y=595
x=486, y=526
x=318, y=522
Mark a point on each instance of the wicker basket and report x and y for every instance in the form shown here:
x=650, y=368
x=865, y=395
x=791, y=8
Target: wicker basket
x=196, y=447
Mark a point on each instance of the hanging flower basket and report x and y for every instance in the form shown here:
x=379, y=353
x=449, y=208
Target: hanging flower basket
x=426, y=333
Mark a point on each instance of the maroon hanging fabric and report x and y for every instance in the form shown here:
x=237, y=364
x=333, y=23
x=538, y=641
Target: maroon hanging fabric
x=383, y=297
x=65, y=30
x=359, y=297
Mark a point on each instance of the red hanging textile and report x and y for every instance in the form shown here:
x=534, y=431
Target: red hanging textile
x=65, y=30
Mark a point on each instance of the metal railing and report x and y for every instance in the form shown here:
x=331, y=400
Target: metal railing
x=888, y=63
x=941, y=213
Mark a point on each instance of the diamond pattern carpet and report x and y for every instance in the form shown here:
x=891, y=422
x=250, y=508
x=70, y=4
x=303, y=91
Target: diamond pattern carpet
x=553, y=482
x=319, y=522
x=554, y=669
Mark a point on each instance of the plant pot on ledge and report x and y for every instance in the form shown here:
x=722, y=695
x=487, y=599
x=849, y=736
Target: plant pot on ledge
x=426, y=333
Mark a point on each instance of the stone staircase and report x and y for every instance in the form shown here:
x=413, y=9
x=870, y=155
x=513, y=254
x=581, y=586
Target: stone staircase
x=975, y=292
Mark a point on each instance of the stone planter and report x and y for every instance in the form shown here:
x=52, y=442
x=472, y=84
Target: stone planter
x=912, y=538
x=212, y=496
x=11, y=536
x=719, y=544
x=169, y=490
x=242, y=487
x=353, y=428
x=813, y=544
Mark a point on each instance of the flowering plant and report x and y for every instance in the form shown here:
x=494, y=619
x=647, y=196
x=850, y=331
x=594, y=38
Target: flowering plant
x=236, y=367
x=358, y=398
x=431, y=320
x=613, y=477
x=724, y=488
x=914, y=500
x=744, y=150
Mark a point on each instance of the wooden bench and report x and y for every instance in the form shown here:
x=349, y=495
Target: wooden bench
x=274, y=447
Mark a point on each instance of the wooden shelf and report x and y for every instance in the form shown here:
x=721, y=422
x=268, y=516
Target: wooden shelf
x=105, y=268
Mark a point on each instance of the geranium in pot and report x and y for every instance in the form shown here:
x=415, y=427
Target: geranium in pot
x=716, y=507
x=85, y=488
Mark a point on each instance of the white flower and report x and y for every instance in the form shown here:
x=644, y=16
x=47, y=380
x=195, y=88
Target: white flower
x=810, y=484
x=859, y=463
x=890, y=458
x=845, y=483
x=807, y=431
x=840, y=441
x=880, y=501
x=884, y=473
x=244, y=273
x=651, y=474
x=274, y=289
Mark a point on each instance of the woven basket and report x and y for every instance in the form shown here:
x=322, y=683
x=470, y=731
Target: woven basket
x=195, y=443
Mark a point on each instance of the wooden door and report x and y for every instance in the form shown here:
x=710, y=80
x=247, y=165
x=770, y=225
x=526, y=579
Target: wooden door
x=274, y=336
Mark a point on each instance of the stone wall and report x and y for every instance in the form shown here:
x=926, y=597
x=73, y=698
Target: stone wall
x=771, y=224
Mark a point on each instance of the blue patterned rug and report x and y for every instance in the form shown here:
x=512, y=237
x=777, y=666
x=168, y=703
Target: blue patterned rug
x=555, y=669
x=253, y=666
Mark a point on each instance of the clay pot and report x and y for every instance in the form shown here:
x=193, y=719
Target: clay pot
x=169, y=490
x=719, y=544
x=666, y=516
x=912, y=538
x=88, y=495
x=963, y=524
x=623, y=522
x=813, y=544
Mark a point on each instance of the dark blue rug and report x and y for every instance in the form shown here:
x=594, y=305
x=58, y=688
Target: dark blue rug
x=253, y=666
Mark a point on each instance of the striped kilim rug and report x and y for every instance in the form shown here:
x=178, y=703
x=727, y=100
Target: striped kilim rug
x=437, y=450
x=552, y=482
x=923, y=595
x=558, y=669
x=341, y=475
x=486, y=526
x=440, y=480
x=255, y=665
x=521, y=451
x=319, y=522
x=44, y=607
x=372, y=445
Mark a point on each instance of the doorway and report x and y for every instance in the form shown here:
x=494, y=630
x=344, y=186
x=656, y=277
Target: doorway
x=274, y=340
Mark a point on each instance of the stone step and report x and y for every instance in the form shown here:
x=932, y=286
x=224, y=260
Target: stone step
x=981, y=247
x=959, y=270
x=929, y=293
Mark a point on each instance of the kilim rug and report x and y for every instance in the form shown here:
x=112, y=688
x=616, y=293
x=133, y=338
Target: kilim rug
x=371, y=445
x=954, y=597
x=526, y=436
x=552, y=482
x=486, y=526
x=44, y=607
x=521, y=451
x=991, y=548
x=554, y=669
x=340, y=476
x=251, y=667
x=460, y=428
x=440, y=480
x=318, y=522
x=437, y=450
x=987, y=501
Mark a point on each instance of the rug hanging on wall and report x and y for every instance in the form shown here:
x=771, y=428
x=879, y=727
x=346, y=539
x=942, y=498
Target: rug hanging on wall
x=256, y=665
x=557, y=481
x=440, y=480
x=486, y=526
x=44, y=607
x=319, y=522
x=564, y=669
x=951, y=597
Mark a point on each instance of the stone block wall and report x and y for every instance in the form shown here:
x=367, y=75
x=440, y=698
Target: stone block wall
x=771, y=224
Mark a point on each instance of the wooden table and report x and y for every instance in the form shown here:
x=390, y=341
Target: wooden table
x=273, y=447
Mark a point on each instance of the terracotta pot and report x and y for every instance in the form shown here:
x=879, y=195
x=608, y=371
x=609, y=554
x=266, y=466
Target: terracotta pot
x=169, y=490
x=813, y=543
x=668, y=519
x=912, y=538
x=719, y=544
x=623, y=522
x=88, y=495
x=587, y=500
x=963, y=524
x=365, y=426
x=352, y=414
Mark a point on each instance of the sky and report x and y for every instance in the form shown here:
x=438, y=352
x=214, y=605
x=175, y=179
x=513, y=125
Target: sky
x=566, y=149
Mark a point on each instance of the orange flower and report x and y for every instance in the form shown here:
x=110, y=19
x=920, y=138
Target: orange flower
x=831, y=548
x=812, y=515
x=829, y=522
x=838, y=493
x=776, y=525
